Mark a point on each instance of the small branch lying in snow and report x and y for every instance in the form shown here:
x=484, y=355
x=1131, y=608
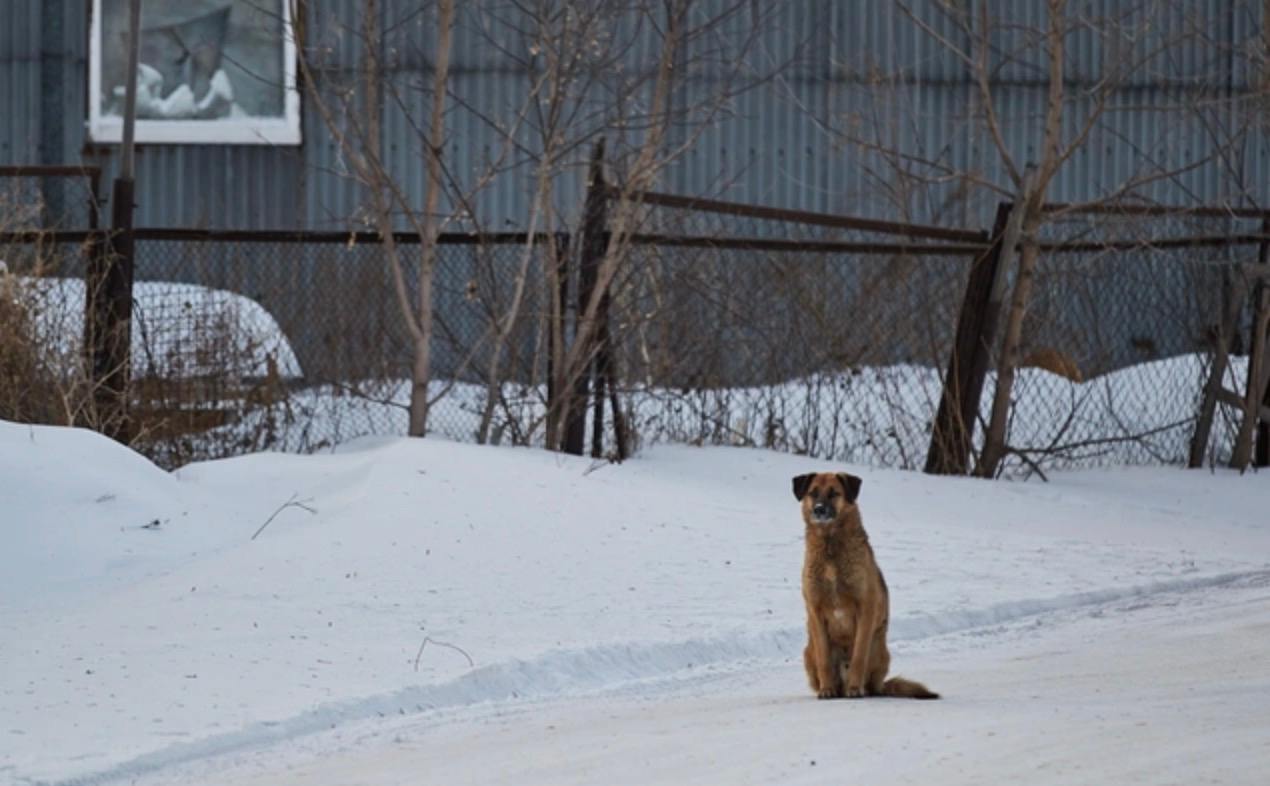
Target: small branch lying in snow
x=429, y=640
x=291, y=503
x=1033, y=466
x=595, y=465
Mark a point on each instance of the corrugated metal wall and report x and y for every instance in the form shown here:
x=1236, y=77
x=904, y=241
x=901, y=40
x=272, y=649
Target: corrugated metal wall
x=19, y=82
x=834, y=74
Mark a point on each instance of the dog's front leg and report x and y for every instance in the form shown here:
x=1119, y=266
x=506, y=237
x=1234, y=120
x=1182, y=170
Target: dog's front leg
x=826, y=674
x=858, y=669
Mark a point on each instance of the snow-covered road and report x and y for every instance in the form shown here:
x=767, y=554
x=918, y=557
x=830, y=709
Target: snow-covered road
x=1171, y=688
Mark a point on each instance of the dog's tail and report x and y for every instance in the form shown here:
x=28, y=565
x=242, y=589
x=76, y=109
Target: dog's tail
x=907, y=689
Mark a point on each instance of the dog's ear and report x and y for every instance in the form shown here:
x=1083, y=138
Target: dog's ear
x=850, y=484
x=800, y=485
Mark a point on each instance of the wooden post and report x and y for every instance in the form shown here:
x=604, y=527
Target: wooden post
x=108, y=323
x=1262, y=456
x=952, y=433
x=1234, y=294
x=607, y=373
x=594, y=244
x=1254, y=393
x=555, y=321
x=606, y=384
x=108, y=327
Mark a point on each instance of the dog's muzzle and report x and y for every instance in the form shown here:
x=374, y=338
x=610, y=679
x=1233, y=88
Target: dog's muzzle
x=822, y=512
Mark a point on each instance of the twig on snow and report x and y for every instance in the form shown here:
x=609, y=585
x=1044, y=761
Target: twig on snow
x=595, y=465
x=291, y=503
x=429, y=640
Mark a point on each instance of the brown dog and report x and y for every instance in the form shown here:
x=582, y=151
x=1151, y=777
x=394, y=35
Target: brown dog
x=847, y=601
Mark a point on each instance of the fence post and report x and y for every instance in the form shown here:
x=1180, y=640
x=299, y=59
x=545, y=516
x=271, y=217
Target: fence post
x=1261, y=457
x=605, y=384
x=555, y=322
x=108, y=323
x=594, y=243
x=108, y=318
x=953, y=430
x=606, y=376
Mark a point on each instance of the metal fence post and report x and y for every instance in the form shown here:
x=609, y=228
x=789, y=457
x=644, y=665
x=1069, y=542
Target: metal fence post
x=555, y=317
x=606, y=381
x=1261, y=456
x=594, y=244
x=108, y=328
x=952, y=433
x=108, y=318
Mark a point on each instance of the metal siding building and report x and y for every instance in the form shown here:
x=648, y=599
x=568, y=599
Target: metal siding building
x=781, y=143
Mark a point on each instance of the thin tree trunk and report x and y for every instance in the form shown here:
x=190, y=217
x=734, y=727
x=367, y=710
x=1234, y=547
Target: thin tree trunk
x=995, y=442
x=422, y=371
x=494, y=375
x=541, y=204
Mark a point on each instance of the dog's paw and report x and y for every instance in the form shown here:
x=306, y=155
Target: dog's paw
x=827, y=693
x=854, y=692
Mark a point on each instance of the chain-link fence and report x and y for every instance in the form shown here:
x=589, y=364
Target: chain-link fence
x=255, y=341
x=728, y=325
x=1119, y=335
x=758, y=327
x=780, y=330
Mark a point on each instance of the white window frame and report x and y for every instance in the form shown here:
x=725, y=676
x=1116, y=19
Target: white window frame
x=284, y=130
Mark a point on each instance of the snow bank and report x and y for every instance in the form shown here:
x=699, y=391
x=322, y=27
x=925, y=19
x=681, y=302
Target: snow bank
x=878, y=416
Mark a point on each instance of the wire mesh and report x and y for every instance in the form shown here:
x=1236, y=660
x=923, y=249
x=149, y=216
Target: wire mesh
x=249, y=344
x=828, y=341
x=1118, y=339
x=817, y=349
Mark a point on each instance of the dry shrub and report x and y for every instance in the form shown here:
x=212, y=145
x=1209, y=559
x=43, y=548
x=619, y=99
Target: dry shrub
x=27, y=389
x=41, y=380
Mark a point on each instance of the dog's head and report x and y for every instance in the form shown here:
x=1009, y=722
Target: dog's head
x=826, y=496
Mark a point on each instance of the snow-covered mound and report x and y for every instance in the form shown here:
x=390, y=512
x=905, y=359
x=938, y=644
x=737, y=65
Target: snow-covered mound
x=68, y=495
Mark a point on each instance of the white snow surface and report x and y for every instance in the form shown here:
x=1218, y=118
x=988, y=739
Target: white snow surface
x=427, y=611
x=880, y=416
